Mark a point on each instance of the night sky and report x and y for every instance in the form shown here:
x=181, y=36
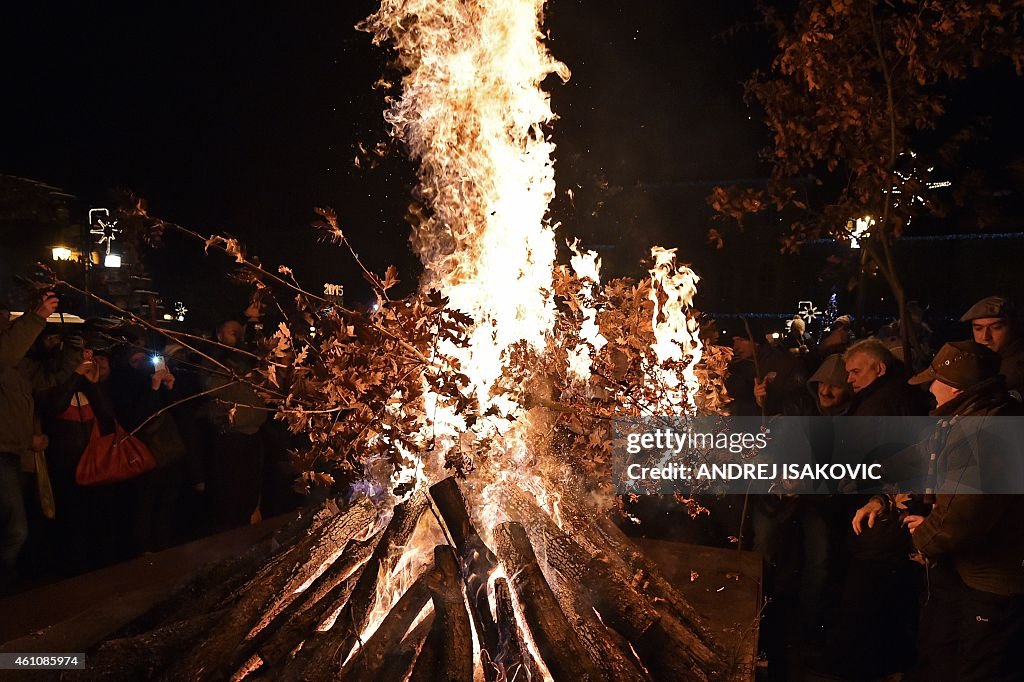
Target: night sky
x=229, y=116
x=239, y=118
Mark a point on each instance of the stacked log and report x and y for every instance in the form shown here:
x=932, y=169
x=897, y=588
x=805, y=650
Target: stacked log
x=587, y=606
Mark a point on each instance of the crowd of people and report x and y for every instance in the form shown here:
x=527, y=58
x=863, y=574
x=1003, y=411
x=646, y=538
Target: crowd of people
x=142, y=449
x=930, y=585
x=843, y=561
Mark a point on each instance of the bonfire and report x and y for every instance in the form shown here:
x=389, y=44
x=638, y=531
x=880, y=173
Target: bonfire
x=472, y=423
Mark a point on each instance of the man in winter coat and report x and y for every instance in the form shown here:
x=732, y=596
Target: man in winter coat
x=994, y=325
x=879, y=389
x=972, y=624
x=17, y=432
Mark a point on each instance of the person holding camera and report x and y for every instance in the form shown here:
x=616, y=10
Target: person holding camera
x=17, y=428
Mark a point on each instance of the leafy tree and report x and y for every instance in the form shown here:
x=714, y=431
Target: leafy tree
x=854, y=98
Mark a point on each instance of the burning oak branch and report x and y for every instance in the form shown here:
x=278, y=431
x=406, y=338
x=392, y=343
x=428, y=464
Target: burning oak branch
x=475, y=419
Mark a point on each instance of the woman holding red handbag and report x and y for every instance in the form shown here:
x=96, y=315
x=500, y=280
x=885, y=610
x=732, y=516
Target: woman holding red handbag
x=91, y=521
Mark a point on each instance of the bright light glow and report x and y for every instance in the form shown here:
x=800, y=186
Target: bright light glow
x=61, y=253
x=472, y=114
x=168, y=316
x=675, y=333
x=859, y=229
x=587, y=266
x=112, y=260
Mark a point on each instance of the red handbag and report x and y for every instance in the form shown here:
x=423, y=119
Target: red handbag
x=113, y=458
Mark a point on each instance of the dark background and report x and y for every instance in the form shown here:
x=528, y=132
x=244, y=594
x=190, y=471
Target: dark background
x=236, y=118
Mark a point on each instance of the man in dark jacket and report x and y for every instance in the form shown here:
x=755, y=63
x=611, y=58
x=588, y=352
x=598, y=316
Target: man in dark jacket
x=994, y=325
x=879, y=390
x=17, y=432
x=764, y=379
x=972, y=625
x=235, y=472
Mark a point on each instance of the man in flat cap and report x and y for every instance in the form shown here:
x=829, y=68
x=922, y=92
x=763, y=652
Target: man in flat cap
x=972, y=623
x=994, y=325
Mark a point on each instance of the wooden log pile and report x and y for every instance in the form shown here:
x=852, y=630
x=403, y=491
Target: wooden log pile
x=576, y=603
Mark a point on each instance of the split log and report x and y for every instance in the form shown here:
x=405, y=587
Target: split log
x=556, y=641
x=399, y=665
x=452, y=632
x=327, y=594
x=649, y=581
x=514, y=661
x=478, y=562
x=142, y=657
x=215, y=585
x=323, y=653
x=365, y=665
x=267, y=591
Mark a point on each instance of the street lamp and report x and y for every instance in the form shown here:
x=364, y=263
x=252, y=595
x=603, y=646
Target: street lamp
x=112, y=260
x=61, y=253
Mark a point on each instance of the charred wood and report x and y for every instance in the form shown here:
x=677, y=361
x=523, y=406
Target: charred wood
x=271, y=588
x=477, y=560
x=513, y=660
x=322, y=652
x=452, y=627
x=366, y=663
x=556, y=640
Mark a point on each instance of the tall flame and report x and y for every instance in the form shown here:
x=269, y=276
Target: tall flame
x=675, y=333
x=472, y=113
